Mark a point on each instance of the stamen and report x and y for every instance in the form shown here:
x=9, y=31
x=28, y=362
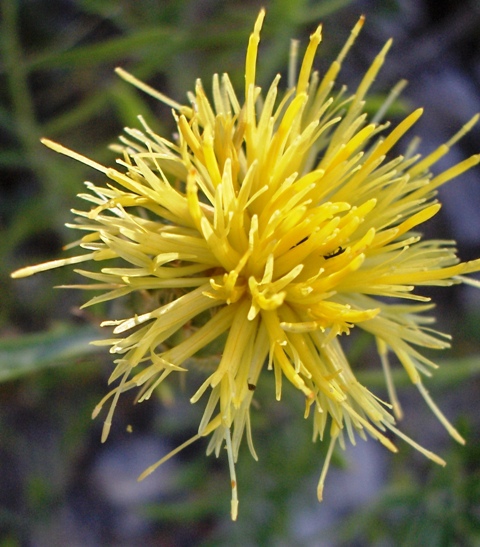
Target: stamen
x=430, y=455
x=326, y=463
x=152, y=92
x=152, y=468
x=75, y=155
x=30, y=270
x=392, y=392
x=439, y=414
x=233, y=477
x=108, y=421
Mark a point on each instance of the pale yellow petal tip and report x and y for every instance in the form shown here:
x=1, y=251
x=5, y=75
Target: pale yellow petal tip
x=418, y=113
x=259, y=21
x=31, y=270
x=320, y=492
x=56, y=147
x=146, y=473
x=437, y=459
x=358, y=25
x=49, y=143
x=106, y=430
x=122, y=73
x=234, y=510
x=456, y=435
x=439, y=414
x=96, y=410
x=397, y=410
x=22, y=272
x=387, y=443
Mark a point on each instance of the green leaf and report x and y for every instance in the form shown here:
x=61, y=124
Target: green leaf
x=449, y=372
x=322, y=10
x=31, y=353
x=108, y=50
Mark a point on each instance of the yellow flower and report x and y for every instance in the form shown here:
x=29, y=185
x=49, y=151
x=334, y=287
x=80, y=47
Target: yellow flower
x=283, y=222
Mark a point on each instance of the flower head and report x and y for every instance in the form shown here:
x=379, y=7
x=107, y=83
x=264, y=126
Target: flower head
x=282, y=223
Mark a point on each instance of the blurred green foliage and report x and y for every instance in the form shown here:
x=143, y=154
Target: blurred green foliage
x=57, y=80
x=438, y=508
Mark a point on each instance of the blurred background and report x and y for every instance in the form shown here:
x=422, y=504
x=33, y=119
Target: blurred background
x=58, y=484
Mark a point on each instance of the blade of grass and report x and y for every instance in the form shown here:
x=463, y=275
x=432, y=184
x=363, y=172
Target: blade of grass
x=31, y=353
x=321, y=10
x=108, y=50
x=449, y=372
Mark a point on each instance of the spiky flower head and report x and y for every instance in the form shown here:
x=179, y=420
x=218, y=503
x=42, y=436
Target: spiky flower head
x=282, y=223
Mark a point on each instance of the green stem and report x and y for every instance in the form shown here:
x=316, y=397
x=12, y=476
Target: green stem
x=17, y=78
